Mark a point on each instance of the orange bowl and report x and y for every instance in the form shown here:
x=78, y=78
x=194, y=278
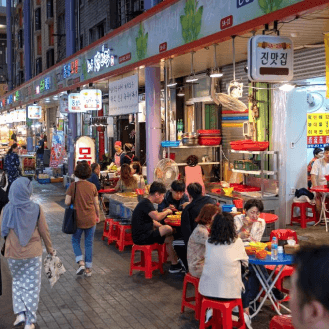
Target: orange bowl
x=261, y=254
x=269, y=245
x=251, y=251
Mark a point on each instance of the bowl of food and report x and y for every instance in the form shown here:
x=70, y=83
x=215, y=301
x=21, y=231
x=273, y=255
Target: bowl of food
x=250, y=251
x=228, y=191
x=172, y=217
x=261, y=254
x=178, y=213
x=258, y=245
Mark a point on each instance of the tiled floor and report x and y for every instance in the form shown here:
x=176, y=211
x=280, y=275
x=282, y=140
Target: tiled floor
x=108, y=299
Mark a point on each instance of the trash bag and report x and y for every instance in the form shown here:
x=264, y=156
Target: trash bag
x=54, y=268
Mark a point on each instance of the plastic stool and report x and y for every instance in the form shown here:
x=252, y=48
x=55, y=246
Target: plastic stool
x=106, y=230
x=124, y=238
x=303, y=218
x=197, y=298
x=281, y=322
x=164, y=254
x=113, y=235
x=222, y=314
x=146, y=264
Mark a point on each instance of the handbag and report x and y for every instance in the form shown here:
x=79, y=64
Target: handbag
x=54, y=268
x=70, y=217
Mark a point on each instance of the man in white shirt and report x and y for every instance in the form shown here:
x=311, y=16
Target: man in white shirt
x=319, y=170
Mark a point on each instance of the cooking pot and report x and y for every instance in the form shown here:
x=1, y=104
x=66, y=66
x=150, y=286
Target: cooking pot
x=190, y=139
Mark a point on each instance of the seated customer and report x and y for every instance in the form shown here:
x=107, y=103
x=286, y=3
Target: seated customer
x=196, y=247
x=192, y=210
x=136, y=170
x=94, y=178
x=126, y=183
x=221, y=278
x=250, y=227
x=175, y=198
x=146, y=228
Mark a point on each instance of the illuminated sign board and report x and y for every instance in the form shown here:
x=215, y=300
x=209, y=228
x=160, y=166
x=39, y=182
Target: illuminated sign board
x=75, y=103
x=102, y=58
x=91, y=99
x=85, y=150
x=34, y=112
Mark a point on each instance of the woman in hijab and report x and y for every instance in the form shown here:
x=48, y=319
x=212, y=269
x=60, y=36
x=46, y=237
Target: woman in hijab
x=23, y=227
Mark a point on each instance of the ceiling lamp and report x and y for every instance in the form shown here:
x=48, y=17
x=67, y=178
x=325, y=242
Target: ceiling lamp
x=172, y=82
x=180, y=92
x=215, y=72
x=287, y=87
x=192, y=77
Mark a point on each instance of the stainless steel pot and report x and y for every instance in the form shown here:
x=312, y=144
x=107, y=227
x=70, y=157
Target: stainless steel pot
x=190, y=141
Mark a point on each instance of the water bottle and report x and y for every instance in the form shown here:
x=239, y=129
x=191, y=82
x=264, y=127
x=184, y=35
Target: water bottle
x=274, y=249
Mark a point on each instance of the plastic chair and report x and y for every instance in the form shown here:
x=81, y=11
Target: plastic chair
x=110, y=230
x=146, y=264
x=197, y=298
x=303, y=219
x=281, y=322
x=124, y=238
x=282, y=234
x=106, y=229
x=222, y=314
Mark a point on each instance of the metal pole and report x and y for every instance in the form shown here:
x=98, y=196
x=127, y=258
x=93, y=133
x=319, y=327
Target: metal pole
x=167, y=127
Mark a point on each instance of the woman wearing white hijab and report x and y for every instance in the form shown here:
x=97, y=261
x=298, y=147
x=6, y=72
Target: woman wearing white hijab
x=23, y=226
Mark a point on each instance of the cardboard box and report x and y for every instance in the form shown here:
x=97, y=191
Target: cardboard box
x=289, y=250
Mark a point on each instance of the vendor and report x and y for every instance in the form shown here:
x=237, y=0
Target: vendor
x=118, y=156
x=318, y=154
x=41, y=147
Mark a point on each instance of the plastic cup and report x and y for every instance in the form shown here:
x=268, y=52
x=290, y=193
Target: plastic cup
x=238, y=203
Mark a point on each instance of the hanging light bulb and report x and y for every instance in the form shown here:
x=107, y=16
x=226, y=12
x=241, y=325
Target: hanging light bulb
x=215, y=72
x=180, y=92
x=192, y=77
x=287, y=87
x=172, y=82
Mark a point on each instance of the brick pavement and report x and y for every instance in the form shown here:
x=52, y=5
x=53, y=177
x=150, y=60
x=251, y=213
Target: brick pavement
x=108, y=299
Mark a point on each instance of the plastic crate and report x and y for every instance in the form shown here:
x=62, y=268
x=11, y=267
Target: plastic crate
x=245, y=165
x=44, y=181
x=170, y=143
x=227, y=207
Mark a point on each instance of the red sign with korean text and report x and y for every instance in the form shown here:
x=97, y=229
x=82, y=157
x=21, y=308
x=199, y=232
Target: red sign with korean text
x=226, y=22
x=125, y=58
x=317, y=141
x=162, y=47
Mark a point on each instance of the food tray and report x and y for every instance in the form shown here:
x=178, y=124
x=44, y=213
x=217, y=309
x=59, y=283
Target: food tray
x=44, y=181
x=209, y=132
x=249, y=145
x=170, y=143
x=210, y=141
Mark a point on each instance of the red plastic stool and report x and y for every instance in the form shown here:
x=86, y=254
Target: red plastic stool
x=222, y=314
x=124, y=238
x=146, y=264
x=281, y=322
x=106, y=230
x=197, y=298
x=164, y=254
x=303, y=218
x=113, y=231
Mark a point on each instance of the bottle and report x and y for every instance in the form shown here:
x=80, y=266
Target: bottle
x=179, y=130
x=274, y=249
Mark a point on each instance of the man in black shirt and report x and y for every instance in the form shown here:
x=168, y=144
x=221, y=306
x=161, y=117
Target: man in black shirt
x=146, y=227
x=175, y=199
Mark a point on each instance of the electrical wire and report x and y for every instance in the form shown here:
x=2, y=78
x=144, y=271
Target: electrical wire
x=301, y=135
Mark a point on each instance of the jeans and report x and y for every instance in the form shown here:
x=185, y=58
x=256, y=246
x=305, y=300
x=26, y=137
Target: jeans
x=252, y=285
x=89, y=240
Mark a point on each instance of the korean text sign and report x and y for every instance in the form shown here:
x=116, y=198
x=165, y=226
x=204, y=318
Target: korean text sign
x=317, y=129
x=85, y=150
x=270, y=58
x=34, y=112
x=123, y=96
x=91, y=99
x=75, y=103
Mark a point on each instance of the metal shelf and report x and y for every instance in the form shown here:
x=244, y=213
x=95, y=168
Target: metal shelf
x=254, y=152
x=200, y=163
x=255, y=172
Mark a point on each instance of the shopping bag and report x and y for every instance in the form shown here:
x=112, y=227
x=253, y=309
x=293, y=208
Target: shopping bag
x=70, y=218
x=54, y=268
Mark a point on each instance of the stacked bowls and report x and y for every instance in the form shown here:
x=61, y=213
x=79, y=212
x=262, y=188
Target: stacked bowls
x=209, y=137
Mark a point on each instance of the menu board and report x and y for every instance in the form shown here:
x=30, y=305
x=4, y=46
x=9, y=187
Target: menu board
x=317, y=129
x=34, y=112
x=75, y=103
x=91, y=99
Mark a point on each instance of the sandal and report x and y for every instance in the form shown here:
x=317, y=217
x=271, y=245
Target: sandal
x=87, y=272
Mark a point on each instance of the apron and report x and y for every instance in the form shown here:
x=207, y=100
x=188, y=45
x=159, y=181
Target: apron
x=117, y=159
x=194, y=175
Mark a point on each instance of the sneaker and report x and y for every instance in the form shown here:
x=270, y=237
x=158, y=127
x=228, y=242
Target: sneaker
x=177, y=268
x=20, y=319
x=247, y=320
x=81, y=269
x=279, y=295
x=183, y=266
x=29, y=326
x=209, y=313
x=87, y=273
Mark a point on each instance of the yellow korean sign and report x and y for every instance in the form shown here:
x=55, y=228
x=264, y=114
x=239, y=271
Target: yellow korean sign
x=326, y=44
x=317, y=124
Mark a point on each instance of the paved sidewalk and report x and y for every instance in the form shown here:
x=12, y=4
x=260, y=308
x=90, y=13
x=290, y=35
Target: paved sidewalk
x=108, y=299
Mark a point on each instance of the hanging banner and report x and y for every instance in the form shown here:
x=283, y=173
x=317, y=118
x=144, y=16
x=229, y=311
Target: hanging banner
x=34, y=112
x=91, y=99
x=75, y=103
x=85, y=150
x=64, y=104
x=57, y=150
x=60, y=125
x=123, y=96
x=270, y=58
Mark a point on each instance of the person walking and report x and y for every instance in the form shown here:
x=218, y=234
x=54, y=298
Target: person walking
x=85, y=199
x=24, y=226
x=12, y=165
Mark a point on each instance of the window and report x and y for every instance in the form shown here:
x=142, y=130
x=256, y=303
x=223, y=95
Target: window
x=81, y=41
x=51, y=36
x=92, y=35
x=20, y=39
x=61, y=24
x=38, y=19
x=101, y=30
x=21, y=61
x=38, y=66
x=39, y=45
x=50, y=58
x=50, y=9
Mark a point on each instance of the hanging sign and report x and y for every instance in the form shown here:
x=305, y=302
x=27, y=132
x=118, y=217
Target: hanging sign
x=74, y=103
x=34, y=112
x=85, y=150
x=11, y=117
x=21, y=115
x=91, y=99
x=270, y=58
x=123, y=96
x=64, y=104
